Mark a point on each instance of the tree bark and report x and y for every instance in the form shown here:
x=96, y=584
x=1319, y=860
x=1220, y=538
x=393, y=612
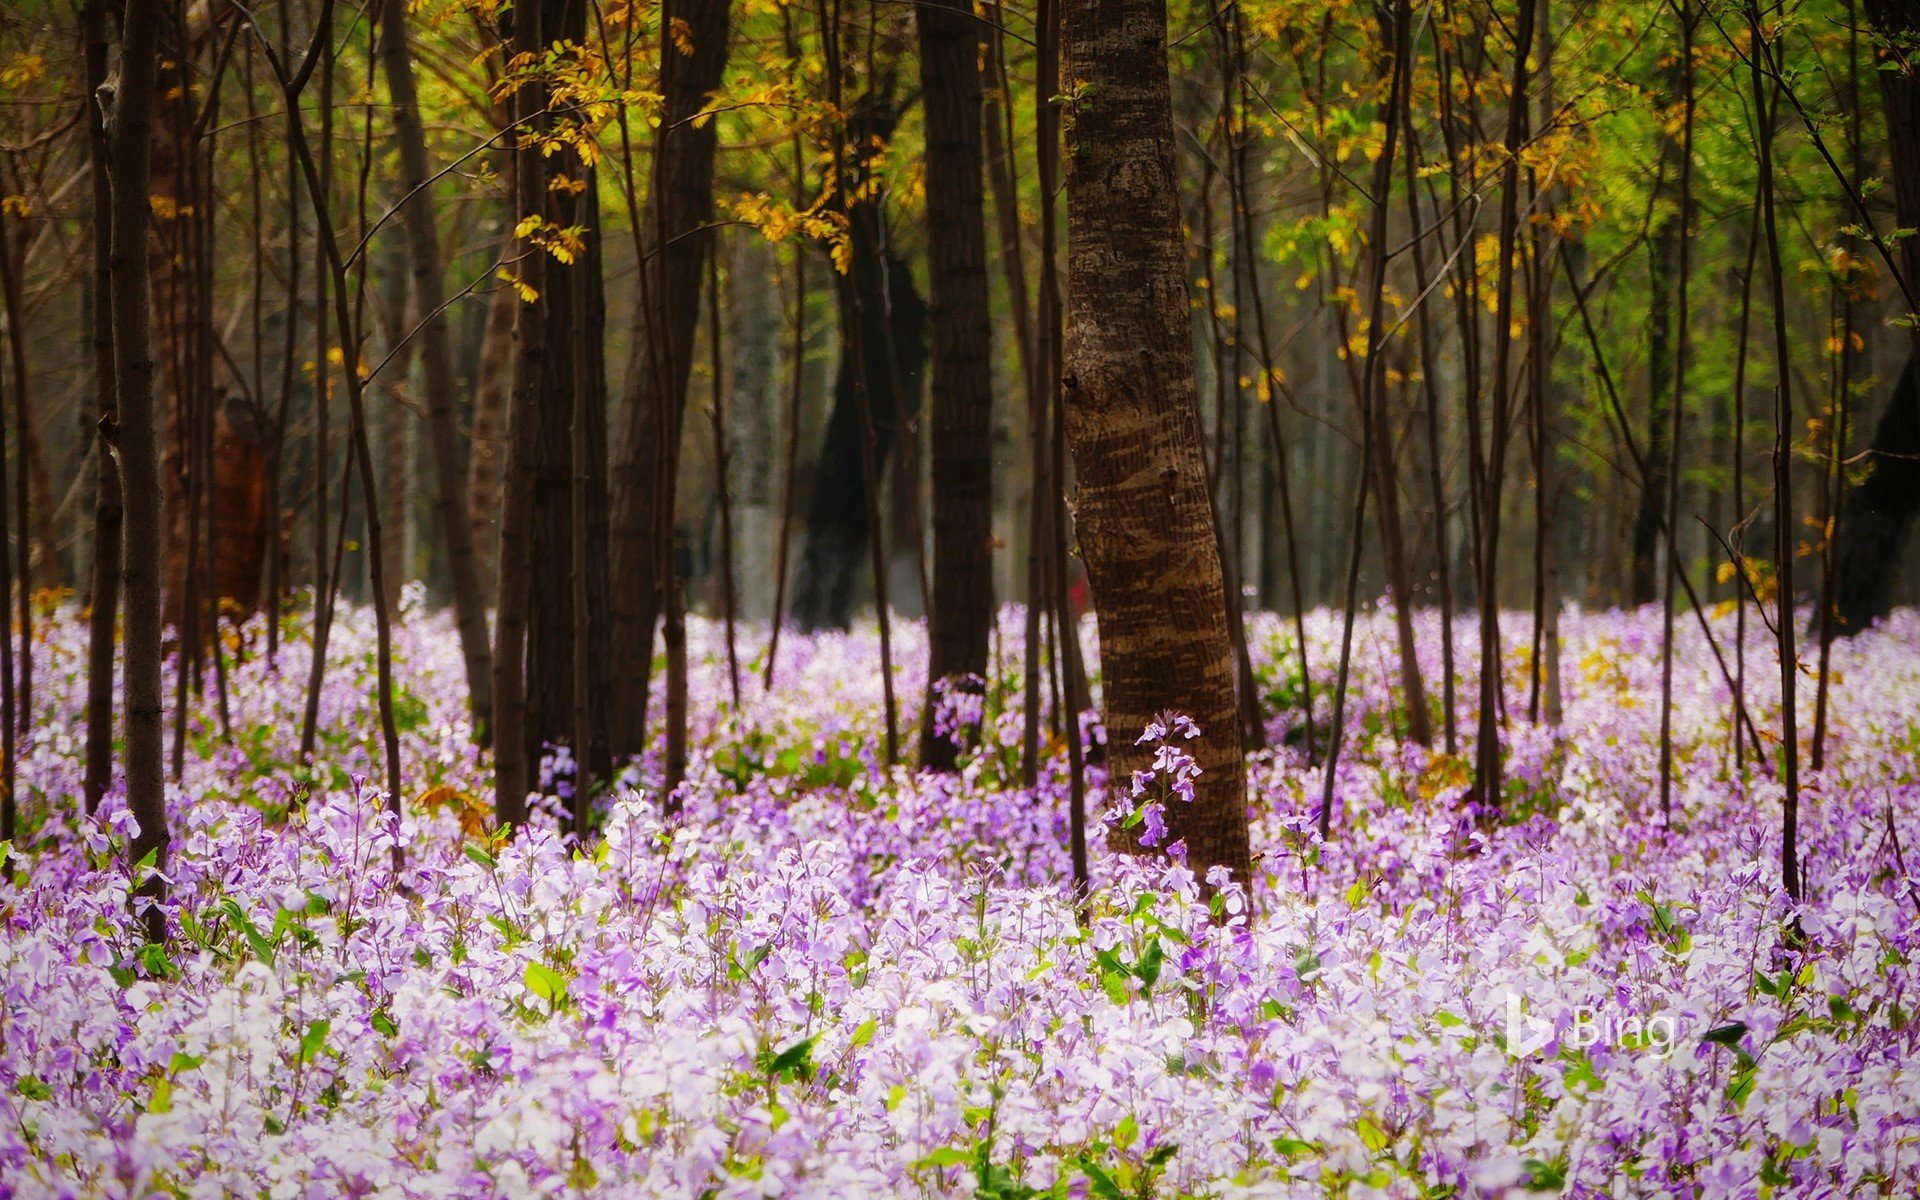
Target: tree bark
x=959, y=626
x=1133, y=421
x=130, y=135
x=679, y=210
x=575, y=323
x=104, y=592
x=436, y=360
x=511, y=768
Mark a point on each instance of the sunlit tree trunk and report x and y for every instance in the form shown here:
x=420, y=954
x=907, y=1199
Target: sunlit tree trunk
x=1133, y=421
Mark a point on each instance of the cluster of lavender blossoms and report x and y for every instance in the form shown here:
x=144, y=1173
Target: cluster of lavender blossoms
x=823, y=978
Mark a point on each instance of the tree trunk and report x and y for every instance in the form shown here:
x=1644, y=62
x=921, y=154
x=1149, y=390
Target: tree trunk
x=104, y=592
x=1133, y=420
x=131, y=142
x=511, y=774
x=575, y=324
x=436, y=359
x=962, y=367
x=679, y=210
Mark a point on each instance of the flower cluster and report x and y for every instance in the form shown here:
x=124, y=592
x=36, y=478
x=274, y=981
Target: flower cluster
x=827, y=978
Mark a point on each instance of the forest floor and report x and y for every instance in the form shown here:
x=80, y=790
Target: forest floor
x=824, y=979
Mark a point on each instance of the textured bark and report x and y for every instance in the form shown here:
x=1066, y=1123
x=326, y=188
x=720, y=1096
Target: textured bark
x=511, y=767
x=1133, y=421
x=104, y=591
x=130, y=147
x=575, y=324
x=959, y=626
x=683, y=177
x=436, y=360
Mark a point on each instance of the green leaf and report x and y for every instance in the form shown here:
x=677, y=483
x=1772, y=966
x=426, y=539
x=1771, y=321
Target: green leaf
x=1726, y=1035
x=793, y=1063
x=945, y=1156
x=1116, y=984
x=1371, y=1134
x=865, y=1032
x=314, y=1040
x=1125, y=1132
x=256, y=941
x=383, y=1024
x=477, y=855
x=1102, y=1183
x=546, y=983
x=1148, y=969
x=33, y=1087
x=183, y=1061
x=1449, y=1020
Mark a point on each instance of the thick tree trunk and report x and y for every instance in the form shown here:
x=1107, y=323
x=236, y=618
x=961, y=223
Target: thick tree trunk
x=1133, y=421
x=683, y=178
x=436, y=360
x=575, y=324
x=962, y=367
x=130, y=148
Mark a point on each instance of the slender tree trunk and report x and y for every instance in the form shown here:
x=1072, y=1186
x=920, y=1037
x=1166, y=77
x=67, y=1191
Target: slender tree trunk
x=1486, y=788
x=1671, y=567
x=961, y=364
x=436, y=357
x=104, y=611
x=130, y=140
x=1133, y=420
x=677, y=214
x=1783, y=533
x=1430, y=401
x=512, y=779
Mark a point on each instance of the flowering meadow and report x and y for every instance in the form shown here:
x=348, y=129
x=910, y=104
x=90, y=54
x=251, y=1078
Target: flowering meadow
x=825, y=979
